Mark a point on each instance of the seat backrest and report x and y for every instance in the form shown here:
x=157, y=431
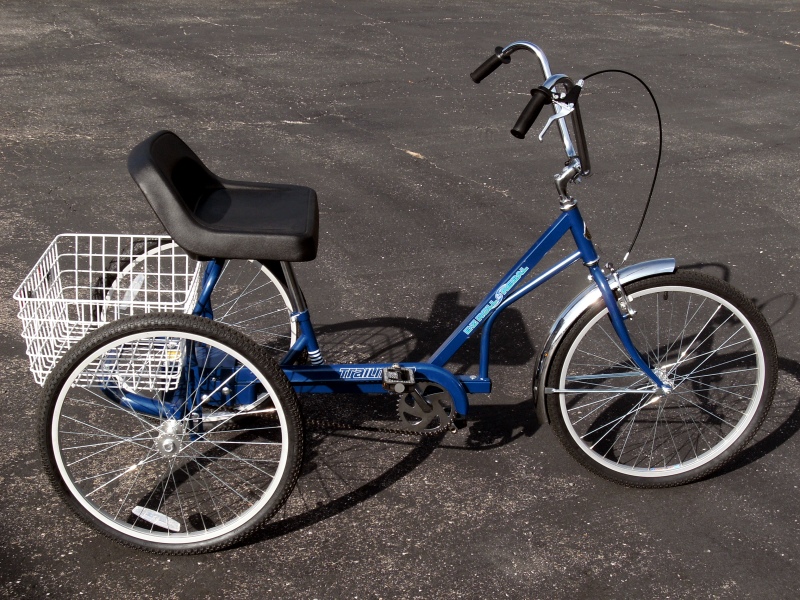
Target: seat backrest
x=213, y=218
x=171, y=176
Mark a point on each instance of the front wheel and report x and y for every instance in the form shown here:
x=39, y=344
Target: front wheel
x=171, y=433
x=699, y=335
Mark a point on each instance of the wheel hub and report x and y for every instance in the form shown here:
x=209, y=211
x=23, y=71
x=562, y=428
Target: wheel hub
x=170, y=438
x=665, y=376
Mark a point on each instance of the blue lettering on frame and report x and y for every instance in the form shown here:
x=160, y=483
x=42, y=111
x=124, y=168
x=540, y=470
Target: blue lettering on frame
x=499, y=295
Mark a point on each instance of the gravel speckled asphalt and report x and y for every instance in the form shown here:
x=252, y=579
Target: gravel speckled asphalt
x=425, y=201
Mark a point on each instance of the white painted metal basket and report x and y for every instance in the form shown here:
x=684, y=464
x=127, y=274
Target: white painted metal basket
x=83, y=281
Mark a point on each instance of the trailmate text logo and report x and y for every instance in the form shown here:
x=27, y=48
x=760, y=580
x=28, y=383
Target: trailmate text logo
x=361, y=373
x=495, y=302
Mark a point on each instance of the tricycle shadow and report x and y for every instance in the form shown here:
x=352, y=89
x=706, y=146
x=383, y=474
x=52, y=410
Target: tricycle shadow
x=782, y=421
x=344, y=467
x=396, y=339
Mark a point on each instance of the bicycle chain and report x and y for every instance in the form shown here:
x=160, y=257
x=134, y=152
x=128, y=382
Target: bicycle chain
x=448, y=425
x=327, y=424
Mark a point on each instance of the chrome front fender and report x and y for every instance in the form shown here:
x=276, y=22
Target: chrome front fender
x=581, y=303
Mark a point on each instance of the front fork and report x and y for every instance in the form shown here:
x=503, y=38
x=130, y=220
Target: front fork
x=590, y=258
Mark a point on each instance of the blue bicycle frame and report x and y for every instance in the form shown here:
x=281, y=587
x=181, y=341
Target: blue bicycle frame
x=367, y=378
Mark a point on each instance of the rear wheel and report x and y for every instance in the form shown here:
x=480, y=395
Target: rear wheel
x=702, y=337
x=251, y=298
x=248, y=296
x=171, y=433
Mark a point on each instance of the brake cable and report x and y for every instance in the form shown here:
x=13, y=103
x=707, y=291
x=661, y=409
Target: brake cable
x=658, y=160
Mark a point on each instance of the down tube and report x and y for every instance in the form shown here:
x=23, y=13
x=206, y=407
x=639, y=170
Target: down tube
x=484, y=308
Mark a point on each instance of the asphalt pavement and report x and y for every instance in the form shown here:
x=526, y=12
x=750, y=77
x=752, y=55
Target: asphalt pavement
x=426, y=200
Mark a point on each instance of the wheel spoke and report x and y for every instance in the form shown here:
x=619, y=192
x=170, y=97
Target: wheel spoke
x=249, y=297
x=699, y=342
x=176, y=483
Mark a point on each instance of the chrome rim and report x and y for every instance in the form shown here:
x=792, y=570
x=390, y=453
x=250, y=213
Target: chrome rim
x=168, y=480
x=702, y=345
x=250, y=298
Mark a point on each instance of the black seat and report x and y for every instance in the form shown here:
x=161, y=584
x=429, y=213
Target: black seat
x=211, y=217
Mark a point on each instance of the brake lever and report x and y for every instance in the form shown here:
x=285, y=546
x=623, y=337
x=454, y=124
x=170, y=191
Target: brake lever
x=562, y=110
x=564, y=107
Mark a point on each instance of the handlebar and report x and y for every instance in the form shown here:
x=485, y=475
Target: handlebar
x=545, y=94
x=490, y=65
x=541, y=98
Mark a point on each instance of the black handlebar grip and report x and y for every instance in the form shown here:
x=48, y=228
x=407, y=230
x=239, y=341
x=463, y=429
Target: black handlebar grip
x=540, y=99
x=490, y=65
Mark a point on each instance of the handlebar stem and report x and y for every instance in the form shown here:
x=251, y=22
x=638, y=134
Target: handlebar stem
x=568, y=174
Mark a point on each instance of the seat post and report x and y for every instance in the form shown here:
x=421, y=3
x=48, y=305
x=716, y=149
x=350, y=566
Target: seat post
x=307, y=339
x=295, y=294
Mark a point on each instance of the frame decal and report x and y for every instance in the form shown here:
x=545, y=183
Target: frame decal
x=498, y=298
x=361, y=373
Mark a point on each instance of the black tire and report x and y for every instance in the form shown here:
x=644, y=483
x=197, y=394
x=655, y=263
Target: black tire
x=710, y=343
x=155, y=477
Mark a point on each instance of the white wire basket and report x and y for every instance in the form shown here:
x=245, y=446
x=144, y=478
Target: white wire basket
x=83, y=281
x=146, y=366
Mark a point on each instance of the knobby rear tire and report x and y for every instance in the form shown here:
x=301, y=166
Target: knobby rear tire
x=169, y=485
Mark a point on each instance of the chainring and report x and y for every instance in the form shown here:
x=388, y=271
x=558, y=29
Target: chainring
x=426, y=409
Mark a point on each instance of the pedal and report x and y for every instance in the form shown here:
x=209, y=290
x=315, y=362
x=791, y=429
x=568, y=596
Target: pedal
x=398, y=379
